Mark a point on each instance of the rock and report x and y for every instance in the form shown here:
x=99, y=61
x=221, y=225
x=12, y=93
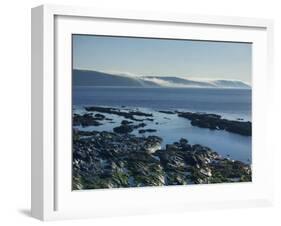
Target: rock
x=141, y=125
x=171, y=147
x=183, y=141
x=113, y=160
x=152, y=144
x=215, y=122
x=125, y=122
x=206, y=172
x=147, y=130
x=126, y=114
x=127, y=127
x=123, y=129
x=85, y=120
x=167, y=112
x=99, y=116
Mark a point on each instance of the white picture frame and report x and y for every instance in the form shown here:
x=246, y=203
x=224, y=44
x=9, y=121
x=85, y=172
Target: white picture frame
x=52, y=197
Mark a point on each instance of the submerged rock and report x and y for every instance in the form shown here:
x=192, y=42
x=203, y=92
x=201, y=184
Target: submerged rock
x=147, y=130
x=167, y=112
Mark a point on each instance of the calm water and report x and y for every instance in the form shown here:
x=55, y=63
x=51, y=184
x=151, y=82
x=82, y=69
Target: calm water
x=230, y=103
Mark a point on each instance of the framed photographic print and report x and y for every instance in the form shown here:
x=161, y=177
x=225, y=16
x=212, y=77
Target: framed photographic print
x=136, y=112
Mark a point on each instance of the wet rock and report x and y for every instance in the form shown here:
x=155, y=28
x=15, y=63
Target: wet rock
x=126, y=114
x=85, y=120
x=152, y=144
x=126, y=122
x=99, y=117
x=167, y=112
x=123, y=129
x=112, y=160
x=215, y=122
x=141, y=125
x=147, y=130
x=206, y=172
x=127, y=127
x=183, y=141
x=171, y=147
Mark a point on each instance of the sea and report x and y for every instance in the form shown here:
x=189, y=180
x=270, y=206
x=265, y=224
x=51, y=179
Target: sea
x=234, y=104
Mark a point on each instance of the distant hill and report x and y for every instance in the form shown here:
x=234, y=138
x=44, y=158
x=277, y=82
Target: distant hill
x=95, y=78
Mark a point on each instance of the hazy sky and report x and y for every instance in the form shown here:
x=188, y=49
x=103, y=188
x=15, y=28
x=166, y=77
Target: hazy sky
x=160, y=57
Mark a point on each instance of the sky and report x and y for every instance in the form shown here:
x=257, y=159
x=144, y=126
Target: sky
x=162, y=57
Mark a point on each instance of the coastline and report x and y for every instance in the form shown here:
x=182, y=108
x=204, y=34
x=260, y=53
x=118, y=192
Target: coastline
x=130, y=154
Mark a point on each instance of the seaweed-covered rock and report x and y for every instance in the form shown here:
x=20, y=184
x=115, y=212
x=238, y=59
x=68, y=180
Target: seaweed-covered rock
x=113, y=160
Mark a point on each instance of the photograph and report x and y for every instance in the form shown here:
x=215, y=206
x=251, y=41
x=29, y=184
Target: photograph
x=159, y=112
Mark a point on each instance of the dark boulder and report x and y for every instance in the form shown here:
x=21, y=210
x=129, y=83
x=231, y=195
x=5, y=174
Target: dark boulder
x=126, y=122
x=123, y=129
x=99, y=116
x=147, y=130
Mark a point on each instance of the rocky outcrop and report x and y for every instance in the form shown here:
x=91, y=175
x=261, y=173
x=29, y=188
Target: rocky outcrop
x=147, y=130
x=123, y=129
x=127, y=127
x=105, y=160
x=86, y=120
x=215, y=122
x=202, y=120
x=167, y=112
x=116, y=111
x=113, y=160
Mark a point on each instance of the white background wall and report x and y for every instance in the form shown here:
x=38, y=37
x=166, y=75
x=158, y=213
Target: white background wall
x=15, y=112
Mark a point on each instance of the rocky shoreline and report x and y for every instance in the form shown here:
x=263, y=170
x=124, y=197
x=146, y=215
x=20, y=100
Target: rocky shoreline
x=202, y=120
x=112, y=160
x=119, y=158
